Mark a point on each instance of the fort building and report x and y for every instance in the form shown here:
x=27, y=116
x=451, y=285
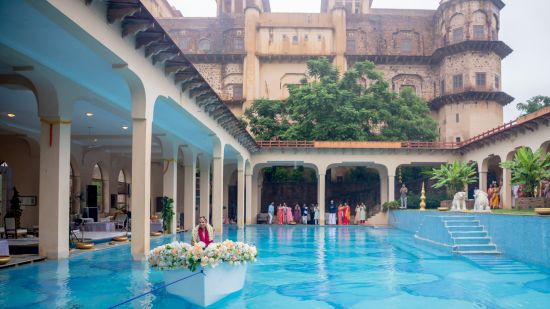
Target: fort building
x=450, y=56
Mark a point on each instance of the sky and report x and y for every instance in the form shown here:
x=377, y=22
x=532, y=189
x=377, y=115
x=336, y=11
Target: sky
x=525, y=27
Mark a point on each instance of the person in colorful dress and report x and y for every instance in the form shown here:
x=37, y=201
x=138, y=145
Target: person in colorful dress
x=356, y=214
x=280, y=214
x=347, y=214
x=495, y=197
x=203, y=232
x=340, y=214
x=363, y=214
x=297, y=213
x=289, y=217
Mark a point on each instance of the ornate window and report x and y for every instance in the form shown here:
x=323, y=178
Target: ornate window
x=497, y=82
x=458, y=35
x=479, y=32
x=237, y=92
x=350, y=45
x=184, y=43
x=204, y=45
x=295, y=39
x=411, y=87
x=481, y=79
x=457, y=82
x=238, y=44
x=405, y=45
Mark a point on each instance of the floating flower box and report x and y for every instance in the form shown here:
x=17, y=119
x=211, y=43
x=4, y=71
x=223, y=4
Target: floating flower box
x=203, y=275
x=204, y=289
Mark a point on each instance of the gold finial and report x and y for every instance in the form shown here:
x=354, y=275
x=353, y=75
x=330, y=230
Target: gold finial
x=423, y=198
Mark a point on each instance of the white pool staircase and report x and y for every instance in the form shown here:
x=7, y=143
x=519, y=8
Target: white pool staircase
x=469, y=236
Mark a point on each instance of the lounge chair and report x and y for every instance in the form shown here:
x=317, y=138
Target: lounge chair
x=120, y=221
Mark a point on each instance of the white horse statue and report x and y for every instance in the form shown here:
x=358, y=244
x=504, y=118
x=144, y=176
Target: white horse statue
x=459, y=202
x=481, y=203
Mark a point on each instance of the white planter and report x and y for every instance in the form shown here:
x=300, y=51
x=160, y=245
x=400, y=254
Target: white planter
x=204, y=290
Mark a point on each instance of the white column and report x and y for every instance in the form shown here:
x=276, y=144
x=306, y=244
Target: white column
x=254, y=195
x=53, y=195
x=248, y=197
x=383, y=189
x=240, y=193
x=141, y=187
x=483, y=181
x=217, y=192
x=189, y=198
x=170, y=186
x=205, y=187
x=391, y=187
x=106, y=195
x=321, y=196
x=76, y=194
x=506, y=190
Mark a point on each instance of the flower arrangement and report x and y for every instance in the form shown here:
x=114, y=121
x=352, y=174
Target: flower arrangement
x=178, y=255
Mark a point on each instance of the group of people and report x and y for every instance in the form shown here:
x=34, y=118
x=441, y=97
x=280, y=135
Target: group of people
x=342, y=213
x=298, y=214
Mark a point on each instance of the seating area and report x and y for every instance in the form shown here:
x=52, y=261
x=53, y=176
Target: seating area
x=262, y=218
x=10, y=229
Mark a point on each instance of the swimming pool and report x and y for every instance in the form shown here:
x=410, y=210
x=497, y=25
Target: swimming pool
x=298, y=266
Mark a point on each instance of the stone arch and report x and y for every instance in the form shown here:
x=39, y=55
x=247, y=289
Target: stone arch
x=289, y=79
x=413, y=81
x=204, y=45
x=407, y=41
x=545, y=146
x=479, y=21
x=456, y=25
x=490, y=165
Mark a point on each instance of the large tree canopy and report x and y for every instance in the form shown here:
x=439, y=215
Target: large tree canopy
x=534, y=104
x=359, y=106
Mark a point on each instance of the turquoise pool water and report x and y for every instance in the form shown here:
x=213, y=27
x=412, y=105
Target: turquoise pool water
x=298, y=267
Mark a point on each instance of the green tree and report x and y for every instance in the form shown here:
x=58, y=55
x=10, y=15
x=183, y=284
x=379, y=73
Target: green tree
x=529, y=168
x=534, y=104
x=267, y=119
x=15, y=208
x=323, y=107
x=455, y=176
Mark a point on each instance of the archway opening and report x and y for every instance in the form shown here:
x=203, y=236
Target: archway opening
x=95, y=190
x=290, y=185
x=354, y=185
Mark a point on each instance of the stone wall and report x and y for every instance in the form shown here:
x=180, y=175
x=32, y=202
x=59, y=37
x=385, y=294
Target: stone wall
x=212, y=73
x=468, y=64
x=467, y=119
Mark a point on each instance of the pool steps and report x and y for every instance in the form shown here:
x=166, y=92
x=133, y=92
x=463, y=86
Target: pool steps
x=469, y=236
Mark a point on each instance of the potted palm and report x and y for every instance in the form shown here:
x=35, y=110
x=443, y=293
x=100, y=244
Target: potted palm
x=454, y=177
x=167, y=213
x=528, y=170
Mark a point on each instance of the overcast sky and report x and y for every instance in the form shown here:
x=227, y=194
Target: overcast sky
x=525, y=26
